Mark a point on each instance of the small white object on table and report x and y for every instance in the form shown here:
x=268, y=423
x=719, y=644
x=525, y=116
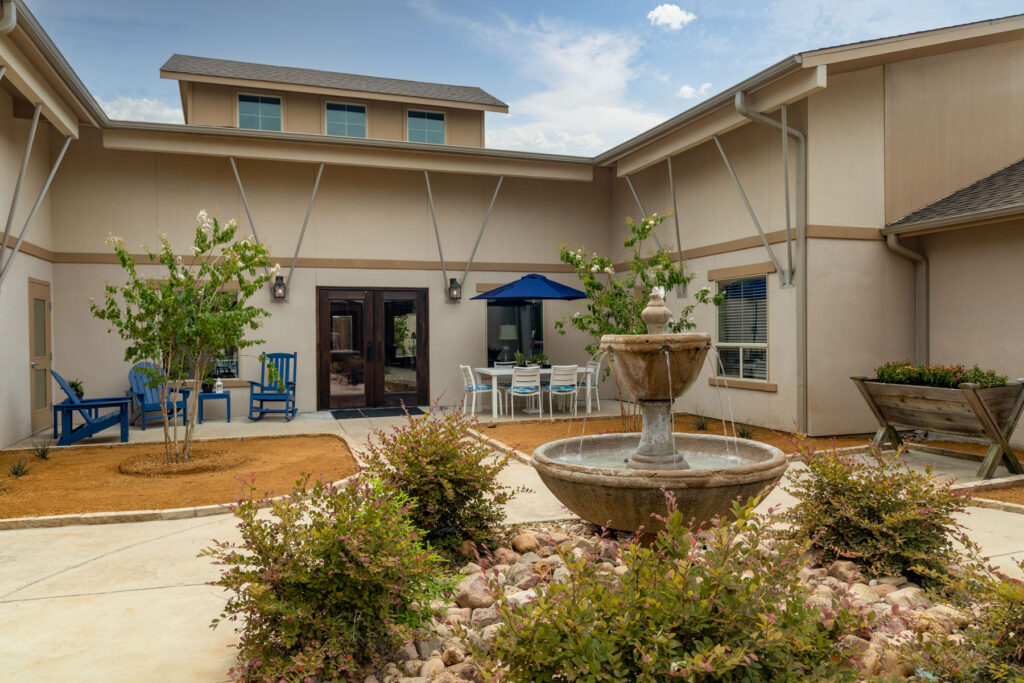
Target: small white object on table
x=499, y=373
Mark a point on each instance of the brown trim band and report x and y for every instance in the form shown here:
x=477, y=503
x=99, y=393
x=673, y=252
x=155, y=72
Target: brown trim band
x=813, y=231
x=31, y=249
x=743, y=384
x=741, y=271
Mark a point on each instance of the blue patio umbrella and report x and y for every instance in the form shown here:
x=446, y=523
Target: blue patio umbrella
x=532, y=286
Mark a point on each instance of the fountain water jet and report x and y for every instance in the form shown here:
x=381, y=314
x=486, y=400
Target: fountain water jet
x=705, y=473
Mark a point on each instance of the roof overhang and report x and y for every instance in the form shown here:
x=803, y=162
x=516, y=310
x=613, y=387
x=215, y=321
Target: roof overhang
x=34, y=87
x=967, y=220
x=332, y=92
x=305, y=148
x=786, y=83
x=862, y=55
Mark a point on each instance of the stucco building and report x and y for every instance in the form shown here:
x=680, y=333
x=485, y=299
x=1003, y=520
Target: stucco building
x=885, y=233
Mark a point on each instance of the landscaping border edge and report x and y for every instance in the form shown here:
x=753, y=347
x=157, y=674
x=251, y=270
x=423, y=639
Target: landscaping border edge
x=128, y=516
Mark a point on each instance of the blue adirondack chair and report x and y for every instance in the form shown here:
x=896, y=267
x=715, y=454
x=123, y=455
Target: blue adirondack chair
x=89, y=409
x=147, y=398
x=266, y=391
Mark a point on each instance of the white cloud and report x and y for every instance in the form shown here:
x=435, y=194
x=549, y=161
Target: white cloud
x=688, y=92
x=580, y=104
x=141, y=109
x=672, y=16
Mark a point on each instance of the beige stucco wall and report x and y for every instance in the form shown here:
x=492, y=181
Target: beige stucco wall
x=860, y=313
x=950, y=120
x=14, y=314
x=216, y=105
x=846, y=151
x=359, y=214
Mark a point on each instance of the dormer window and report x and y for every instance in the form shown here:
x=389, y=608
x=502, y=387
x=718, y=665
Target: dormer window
x=347, y=120
x=426, y=126
x=259, y=112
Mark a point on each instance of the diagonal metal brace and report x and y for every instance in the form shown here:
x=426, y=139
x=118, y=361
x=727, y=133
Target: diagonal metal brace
x=245, y=203
x=305, y=221
x=785, y=276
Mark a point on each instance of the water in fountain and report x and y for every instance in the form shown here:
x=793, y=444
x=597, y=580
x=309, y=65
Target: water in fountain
x=718, y=393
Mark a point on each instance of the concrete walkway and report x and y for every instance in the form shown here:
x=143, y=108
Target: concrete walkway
x=130, y=602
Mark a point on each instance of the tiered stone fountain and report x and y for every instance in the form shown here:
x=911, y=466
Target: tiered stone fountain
x=620, y=480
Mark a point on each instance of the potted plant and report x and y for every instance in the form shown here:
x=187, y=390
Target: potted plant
x=539, y=358
x=76, y=386
x=520, y=359
x=949, y=399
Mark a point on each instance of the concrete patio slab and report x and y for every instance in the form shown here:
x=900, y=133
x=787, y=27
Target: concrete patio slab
x=130, y=602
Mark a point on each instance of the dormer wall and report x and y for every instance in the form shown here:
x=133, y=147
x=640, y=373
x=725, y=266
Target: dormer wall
x=214, y=104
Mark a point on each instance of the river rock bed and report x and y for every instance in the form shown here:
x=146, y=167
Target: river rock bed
x=530, y=559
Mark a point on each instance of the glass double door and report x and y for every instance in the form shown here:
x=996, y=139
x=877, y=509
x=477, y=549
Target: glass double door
x=372, y=347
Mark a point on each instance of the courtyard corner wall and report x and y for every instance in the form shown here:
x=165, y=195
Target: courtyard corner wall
x=976, y=315
x=14, y=304
x=368, y=228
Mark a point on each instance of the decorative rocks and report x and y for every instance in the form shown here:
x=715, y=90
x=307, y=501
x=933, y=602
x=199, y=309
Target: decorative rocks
x=525, y=542
x=472, y=592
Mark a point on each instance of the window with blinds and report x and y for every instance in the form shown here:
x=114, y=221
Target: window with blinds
x=743, y=329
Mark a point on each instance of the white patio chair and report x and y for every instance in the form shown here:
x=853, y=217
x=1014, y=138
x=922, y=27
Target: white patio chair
x=503, y=384
x=472, y=388
x=563, y=383
x=525, y=384
x=594, y=373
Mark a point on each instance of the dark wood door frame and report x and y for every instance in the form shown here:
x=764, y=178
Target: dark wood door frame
x=373, y=344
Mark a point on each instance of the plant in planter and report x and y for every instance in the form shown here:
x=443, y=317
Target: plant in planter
x=946, y=399
x=76, y=386
x=520, y=359
x=539, y=358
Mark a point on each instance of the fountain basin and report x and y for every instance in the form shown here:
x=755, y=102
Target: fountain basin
x=642, y=370
x=722, y=469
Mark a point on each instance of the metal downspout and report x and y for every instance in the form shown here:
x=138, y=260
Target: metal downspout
x=10, y=19
x=921, y=341
x=801, y=251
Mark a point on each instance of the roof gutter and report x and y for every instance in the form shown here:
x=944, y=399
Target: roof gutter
x=964, y=220
x=722, y=99
x=740, y=101
x=10, y=19
x=921, y=341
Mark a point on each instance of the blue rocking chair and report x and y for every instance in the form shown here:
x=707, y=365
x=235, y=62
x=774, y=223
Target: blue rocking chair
x=147, y=396
x=89, y=409
x=266, y=391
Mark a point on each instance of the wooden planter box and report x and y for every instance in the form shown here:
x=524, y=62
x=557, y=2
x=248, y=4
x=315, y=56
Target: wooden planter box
x=968, y=410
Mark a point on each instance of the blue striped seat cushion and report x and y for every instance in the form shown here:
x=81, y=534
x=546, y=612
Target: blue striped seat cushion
x=524, y=390
x=478, y=387
x=560, y=387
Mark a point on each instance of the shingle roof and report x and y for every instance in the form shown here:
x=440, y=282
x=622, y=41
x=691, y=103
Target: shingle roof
x=226, y=68
x=1004, y=189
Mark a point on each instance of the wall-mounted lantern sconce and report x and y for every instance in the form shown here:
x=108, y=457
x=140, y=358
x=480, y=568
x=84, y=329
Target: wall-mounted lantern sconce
x=279, y=290
x=454, y=290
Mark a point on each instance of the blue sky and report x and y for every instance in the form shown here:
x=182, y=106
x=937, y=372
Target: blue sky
x=579, y=77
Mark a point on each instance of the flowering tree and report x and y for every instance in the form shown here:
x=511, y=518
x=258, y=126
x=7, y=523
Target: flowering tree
x=193, y=315
x=614, y=304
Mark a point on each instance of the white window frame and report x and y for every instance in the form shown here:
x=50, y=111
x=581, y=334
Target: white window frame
x=421, y=110
x=366, y=113
x=278, y=97
x=719, y=368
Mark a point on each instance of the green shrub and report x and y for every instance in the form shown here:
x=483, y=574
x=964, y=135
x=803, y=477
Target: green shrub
x=451, y=476
x=947, y=376
x=700, y=423
x=745, y=432
x=327, y=585
x=876, y=511
x=18, y=468
x=41, y=451
x=721, y=608
x=991, y=648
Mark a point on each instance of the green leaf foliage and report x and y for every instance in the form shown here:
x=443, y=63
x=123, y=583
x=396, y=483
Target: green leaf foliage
x=192, y=314
x=715, y=605
x=326, y=584
x=451, y=477
x=614, y=301
x=946, y=376
x=876, y=511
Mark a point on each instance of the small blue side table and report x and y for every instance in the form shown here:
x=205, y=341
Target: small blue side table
x=212, y=396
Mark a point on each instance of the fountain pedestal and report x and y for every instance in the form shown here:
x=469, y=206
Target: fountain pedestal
x=586, y=474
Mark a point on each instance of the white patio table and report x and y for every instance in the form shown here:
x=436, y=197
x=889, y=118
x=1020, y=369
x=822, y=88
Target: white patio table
x=499, y=373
